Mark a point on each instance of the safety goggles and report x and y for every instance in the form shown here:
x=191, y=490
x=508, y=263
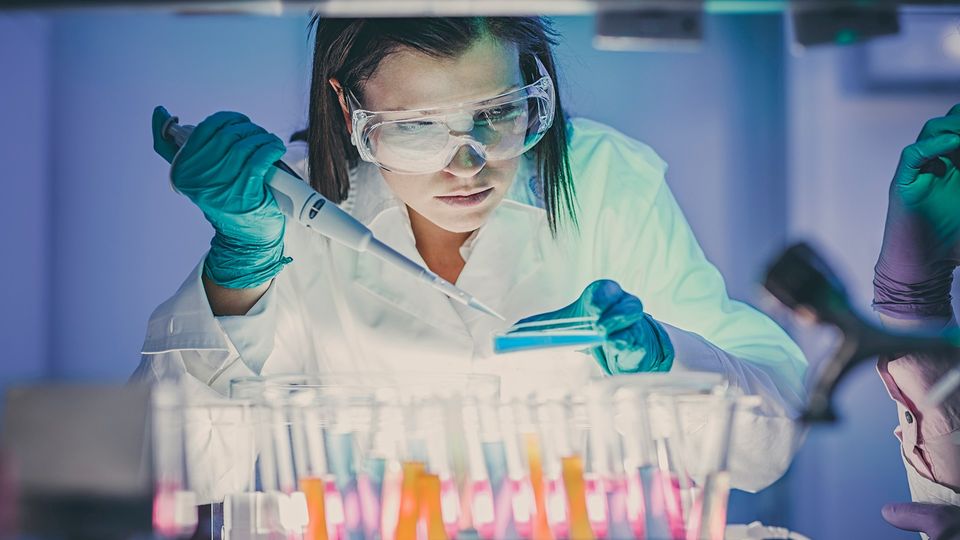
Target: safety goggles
x=424, y=141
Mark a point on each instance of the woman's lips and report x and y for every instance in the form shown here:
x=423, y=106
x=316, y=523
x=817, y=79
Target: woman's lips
x=466, y=200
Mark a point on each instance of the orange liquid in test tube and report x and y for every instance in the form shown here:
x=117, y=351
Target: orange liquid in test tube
x=409, y=501
x=576, y=499
x=541, y=528
x=313, y=490
x=431, y=513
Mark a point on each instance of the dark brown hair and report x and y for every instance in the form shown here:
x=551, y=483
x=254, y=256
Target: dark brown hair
x=350, y=51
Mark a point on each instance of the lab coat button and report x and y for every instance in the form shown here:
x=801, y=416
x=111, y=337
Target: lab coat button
x=908, y=416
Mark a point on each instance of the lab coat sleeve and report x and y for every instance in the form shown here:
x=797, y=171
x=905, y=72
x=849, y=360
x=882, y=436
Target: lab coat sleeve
x=710, y=332
x=929, y=438
x=646, y=245
x=185, y=340
x=686, y=293
x=187, y=343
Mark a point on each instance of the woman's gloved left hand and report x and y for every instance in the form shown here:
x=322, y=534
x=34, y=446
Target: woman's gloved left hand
x=635, y=342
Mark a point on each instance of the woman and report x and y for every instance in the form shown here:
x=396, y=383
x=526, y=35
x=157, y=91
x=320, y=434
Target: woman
x=912, y=282
x=475, y=171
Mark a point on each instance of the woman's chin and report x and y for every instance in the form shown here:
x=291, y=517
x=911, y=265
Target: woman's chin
x=462, y=223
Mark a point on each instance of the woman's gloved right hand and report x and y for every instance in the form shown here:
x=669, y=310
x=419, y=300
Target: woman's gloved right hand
x=222, y=169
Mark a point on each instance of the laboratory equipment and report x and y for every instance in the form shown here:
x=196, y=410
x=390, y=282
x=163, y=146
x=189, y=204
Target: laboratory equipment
x=174, y=504
x=439, y=457
x=572, y=332
x=675, y=477
x=304, y=205
x=804, y=282
x=374, y=455
x=640, y=343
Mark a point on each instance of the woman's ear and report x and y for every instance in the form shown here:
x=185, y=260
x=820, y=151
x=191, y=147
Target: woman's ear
x=335, y=84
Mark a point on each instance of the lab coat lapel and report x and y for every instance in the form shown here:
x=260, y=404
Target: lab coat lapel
x=400, y=289
x=506, y=254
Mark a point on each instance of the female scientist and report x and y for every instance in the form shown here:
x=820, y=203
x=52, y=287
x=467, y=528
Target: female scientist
x=446, y=137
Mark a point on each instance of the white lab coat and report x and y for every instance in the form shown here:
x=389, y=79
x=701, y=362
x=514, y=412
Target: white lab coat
x=333, y=310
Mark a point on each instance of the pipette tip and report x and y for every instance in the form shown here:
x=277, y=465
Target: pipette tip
x=478, y=305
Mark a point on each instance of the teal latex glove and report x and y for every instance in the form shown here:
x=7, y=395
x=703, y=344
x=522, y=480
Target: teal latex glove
x=221, y=168
x=635, y=341
x=921, y=241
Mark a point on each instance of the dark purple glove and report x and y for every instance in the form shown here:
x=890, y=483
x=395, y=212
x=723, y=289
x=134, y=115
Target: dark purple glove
x=938, y=521
x=921, y=241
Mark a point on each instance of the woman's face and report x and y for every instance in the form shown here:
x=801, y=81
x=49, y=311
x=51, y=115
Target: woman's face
x=460, y=197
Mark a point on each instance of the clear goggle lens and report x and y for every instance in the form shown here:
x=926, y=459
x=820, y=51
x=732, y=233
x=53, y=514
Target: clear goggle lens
x=424, y=141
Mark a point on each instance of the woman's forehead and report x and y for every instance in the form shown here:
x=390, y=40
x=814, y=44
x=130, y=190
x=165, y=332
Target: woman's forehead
x=409, y=79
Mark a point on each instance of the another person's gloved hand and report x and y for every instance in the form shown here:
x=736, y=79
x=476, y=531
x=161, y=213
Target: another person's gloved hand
x=221, y=168
x=635, y=341
x=921, y=242
x=938, y=521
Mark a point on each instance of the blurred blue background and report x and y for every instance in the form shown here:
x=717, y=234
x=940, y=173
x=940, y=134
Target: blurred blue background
x=765, y=142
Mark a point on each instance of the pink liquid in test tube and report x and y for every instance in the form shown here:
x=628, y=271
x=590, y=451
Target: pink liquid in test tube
x=523, y=506
x=333, y=503
x=482, y=508
x=450, y=506
x=636, y=509
x=663, y=510
x=597, y=511
x=556, y=501
x=168, y=518
x=369, y=506
x=670, y=484
x=351, y=510
x=619, y=525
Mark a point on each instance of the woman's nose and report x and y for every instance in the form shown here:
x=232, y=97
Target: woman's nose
x=467, y=162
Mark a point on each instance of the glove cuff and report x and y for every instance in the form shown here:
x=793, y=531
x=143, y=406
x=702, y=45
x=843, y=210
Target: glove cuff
x=665, y=360
x=929, y=297
x=659, y=360
x=243, y=266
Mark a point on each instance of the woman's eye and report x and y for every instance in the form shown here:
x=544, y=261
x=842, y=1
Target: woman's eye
x=409, y=128
x=499, y=114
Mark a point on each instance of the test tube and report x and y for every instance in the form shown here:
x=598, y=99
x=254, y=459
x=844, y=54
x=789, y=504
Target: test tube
x=522, y=501
x=649, y=419
x=551, y=417
x=174, y=505
x=311, y=466
x=292, y=506
x=409, y=515
x=431, y=427
x=576, y=333
x=429, y=491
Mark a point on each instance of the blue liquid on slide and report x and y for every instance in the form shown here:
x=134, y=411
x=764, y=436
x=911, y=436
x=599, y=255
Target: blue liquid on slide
x=525, y=341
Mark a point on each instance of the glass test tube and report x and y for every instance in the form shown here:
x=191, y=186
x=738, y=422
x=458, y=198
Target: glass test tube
x=174, y=505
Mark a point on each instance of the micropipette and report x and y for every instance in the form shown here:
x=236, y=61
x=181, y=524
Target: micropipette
x=299, y=201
